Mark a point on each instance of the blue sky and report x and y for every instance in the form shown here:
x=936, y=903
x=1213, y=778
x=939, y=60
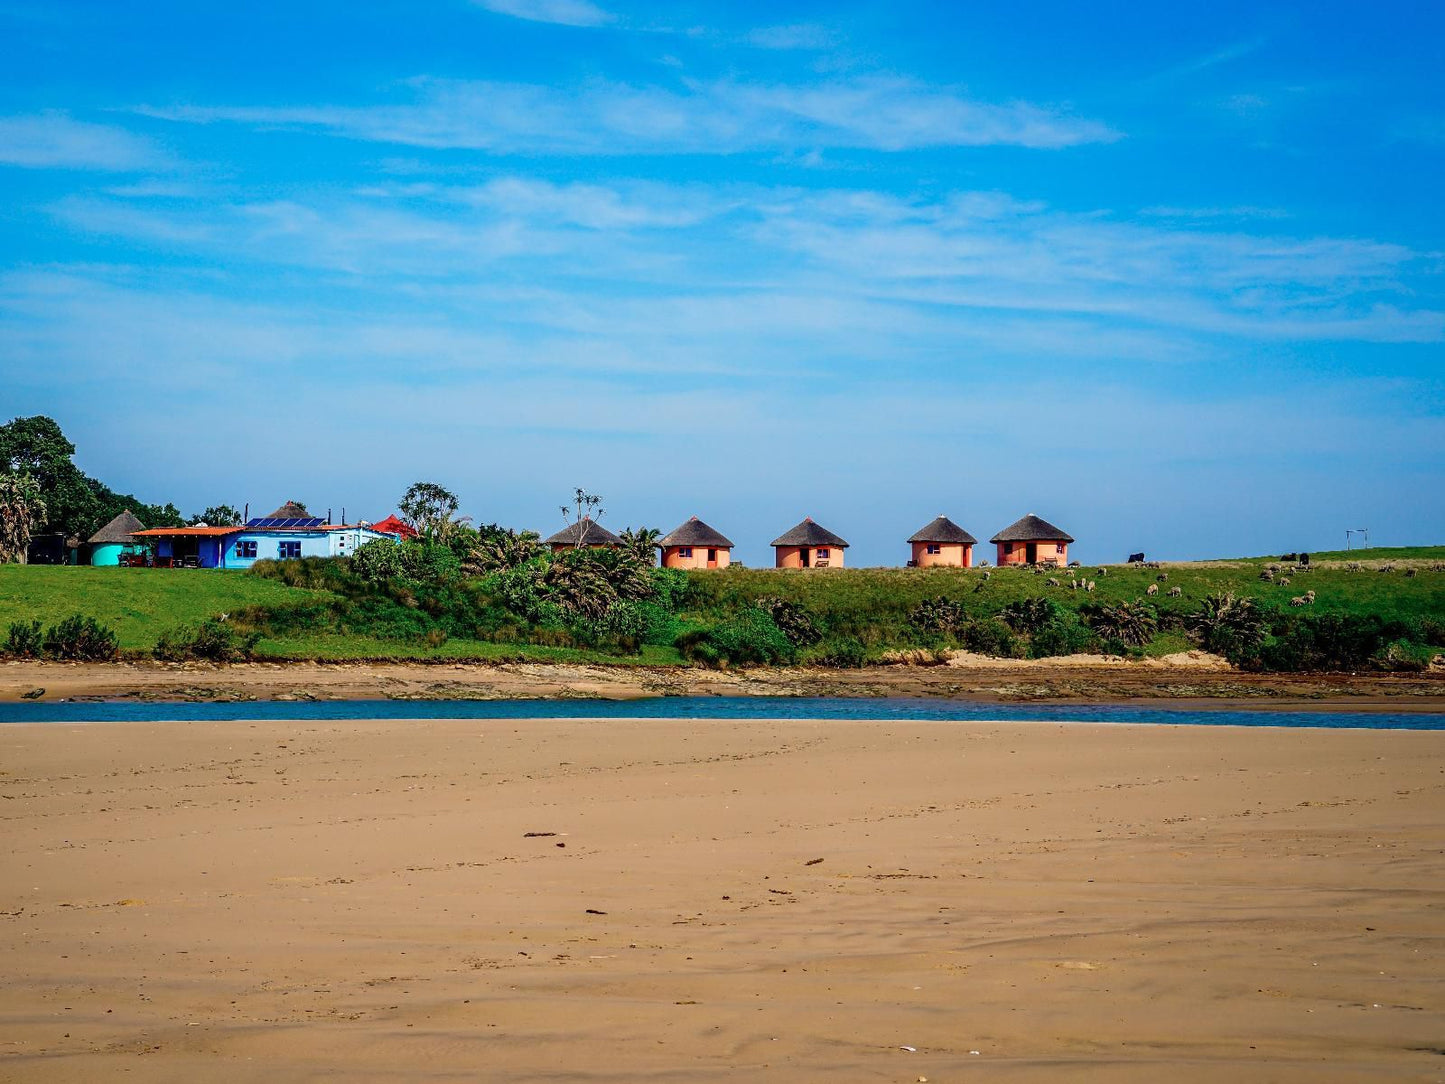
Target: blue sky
x=1174, y=280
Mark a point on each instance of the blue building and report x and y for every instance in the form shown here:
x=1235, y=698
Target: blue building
x=275, y=537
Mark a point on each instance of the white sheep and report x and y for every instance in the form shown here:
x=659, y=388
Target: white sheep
x=1175, y=592
x=1153, y=589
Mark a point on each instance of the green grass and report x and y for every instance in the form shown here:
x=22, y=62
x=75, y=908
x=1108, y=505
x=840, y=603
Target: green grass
x=139, y=603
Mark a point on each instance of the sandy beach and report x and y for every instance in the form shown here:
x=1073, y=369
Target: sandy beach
x=677, y=900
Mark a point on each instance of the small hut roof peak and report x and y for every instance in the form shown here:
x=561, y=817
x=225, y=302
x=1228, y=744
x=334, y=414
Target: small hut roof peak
x=943, y=529
x=118, y=530
x=808, y=533
x=695, y=533
x=1031, y=529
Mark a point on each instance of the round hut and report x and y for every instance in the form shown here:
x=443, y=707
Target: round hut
x=115, y=538
x=586, y=533
x=942, y=542
x=1032, y=541
x=695, y=545
x=808, y=546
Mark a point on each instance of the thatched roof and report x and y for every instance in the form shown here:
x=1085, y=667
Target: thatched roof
x=587, y=531
x=944, y=529
x=695, y=533
x=118, y=530
x=1031, y=529
x=290, y=510
x=809, y=533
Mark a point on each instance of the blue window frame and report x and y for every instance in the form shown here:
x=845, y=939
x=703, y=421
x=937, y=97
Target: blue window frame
x=684, y=551
x=823, y=554
x=934, y=547
x=288, y=551
x=245, y=549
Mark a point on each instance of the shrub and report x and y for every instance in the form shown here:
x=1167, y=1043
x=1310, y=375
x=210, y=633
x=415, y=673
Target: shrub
x=1229, y=626
x=796, y=623
x=1064, y=635
x=938, y=616
x=751, y=637
x=377, y=561
x=1133, y=623
x=844, y=652
x=81, y=638
x=1324, y=642
x=991, y=636
x=1029, y=614
x=214, y=641
x=26, y=640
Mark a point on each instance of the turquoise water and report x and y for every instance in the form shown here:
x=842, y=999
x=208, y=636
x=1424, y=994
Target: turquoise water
x=697, y=707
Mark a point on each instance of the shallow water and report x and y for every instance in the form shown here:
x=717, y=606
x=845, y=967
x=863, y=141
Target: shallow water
x=696, y=707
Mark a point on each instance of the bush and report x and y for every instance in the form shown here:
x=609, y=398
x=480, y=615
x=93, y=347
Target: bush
x=796, y=623
x=1029, y=614
x=26, y=640
x=751, y=637
x=81, y=638
x=213, y=641
x=1325, y=642
x=938, y=617
x=991, y=637
x=1134, y=623
x=377, y=561
x=844, y=652
x=1064, y=635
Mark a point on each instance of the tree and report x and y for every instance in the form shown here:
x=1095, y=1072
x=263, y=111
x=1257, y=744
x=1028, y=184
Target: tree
x=431, y=509
x=218, y=515
x=641, y=544
x=21, y=509
x=37, y=447
x=588, y=509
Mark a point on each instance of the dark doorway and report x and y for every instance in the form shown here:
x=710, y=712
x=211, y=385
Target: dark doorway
x=1031, y=553
x=805, y=555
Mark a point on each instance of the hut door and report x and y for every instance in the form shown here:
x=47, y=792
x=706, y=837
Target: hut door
x=1031, y=553
x=805, y=555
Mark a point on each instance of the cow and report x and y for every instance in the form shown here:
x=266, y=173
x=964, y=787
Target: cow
x=1136, y=558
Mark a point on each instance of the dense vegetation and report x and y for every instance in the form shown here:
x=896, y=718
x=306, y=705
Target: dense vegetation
x=488, y=593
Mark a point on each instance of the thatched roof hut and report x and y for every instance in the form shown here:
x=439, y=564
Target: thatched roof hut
x=584, y=532
x=695, y=533
x=1031, y=529
x=119, y=531
x=943, y=531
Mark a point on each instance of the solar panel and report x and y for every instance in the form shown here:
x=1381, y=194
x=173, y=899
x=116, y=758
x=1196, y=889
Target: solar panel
x=266, y=522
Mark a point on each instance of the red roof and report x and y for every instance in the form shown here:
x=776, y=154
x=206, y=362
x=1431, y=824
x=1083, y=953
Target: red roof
x=194, y=532
x=392, y=525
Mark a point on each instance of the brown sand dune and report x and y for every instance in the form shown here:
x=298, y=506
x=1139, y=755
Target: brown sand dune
x=362, y=901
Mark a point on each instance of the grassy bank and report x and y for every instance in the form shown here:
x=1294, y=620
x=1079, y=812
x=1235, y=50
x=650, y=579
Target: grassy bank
x=322, y=610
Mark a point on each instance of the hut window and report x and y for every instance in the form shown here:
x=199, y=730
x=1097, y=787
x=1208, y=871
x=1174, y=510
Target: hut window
x=1008, y=547
x=823, y=555
x=245, y=549
x=289, y=551
x=712, y=555
x=684, y=551
x=1059, y=548
x=934, y=547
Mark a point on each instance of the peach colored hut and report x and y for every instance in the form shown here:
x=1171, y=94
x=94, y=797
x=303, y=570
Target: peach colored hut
x=942, y=542
x=695, y=545
x=584, y=534
x=1032, y=541
x=808, y=546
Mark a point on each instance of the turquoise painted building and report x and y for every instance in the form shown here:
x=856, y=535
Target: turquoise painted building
x=115, y=538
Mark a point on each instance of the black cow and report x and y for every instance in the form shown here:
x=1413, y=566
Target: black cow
x=1136, y=558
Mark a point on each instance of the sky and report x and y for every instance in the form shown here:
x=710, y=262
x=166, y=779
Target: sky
x=1170, y=276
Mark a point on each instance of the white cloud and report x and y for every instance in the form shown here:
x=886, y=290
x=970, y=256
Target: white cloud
x=793, y=36
x=563, y=12
x=56, y=141
x=603, y=118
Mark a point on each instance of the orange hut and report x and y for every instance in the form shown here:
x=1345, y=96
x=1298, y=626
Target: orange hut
x=695, y=545
x=942, y=542
x=808, y=546
x=1032, y=541
x=583, y=534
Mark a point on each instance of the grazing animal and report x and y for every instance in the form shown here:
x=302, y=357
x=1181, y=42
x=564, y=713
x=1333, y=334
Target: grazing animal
x=1136, y=559
x=1175, y=592
x=1411, y=572
x=1153, y=589
x=1104, y=571
x=1089, y=586
x=1053, y=582
x=1284, y=581
x=1354, y=566
x=1162, y=577
x=1310, y=595
x=1299, y=600
x=1267, y=576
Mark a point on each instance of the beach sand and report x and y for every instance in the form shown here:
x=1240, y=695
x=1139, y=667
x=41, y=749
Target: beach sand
x=362, y=901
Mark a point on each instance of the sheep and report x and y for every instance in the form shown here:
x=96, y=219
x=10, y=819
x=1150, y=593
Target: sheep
x=1175, y=592
x=1162, y=577
x=1267, y=576
x=1089, y=586
x=1053, y=582
x=1153, y=589
x=1105, y=571
x=1284, y=581
x=1310, y=595
x=1299, y=600
x=1411, y=572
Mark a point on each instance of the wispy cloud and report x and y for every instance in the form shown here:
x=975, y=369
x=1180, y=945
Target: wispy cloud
x=1213, y=59
x=882, y=113
x=563, y=12
x=1243, y=211
x=54, y=140
x=810, y=36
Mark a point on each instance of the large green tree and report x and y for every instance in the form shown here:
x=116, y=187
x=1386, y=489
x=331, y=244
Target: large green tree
x=21, y=509
x=76, y=504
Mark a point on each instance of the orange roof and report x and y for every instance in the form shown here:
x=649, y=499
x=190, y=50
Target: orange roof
x=195, y=532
